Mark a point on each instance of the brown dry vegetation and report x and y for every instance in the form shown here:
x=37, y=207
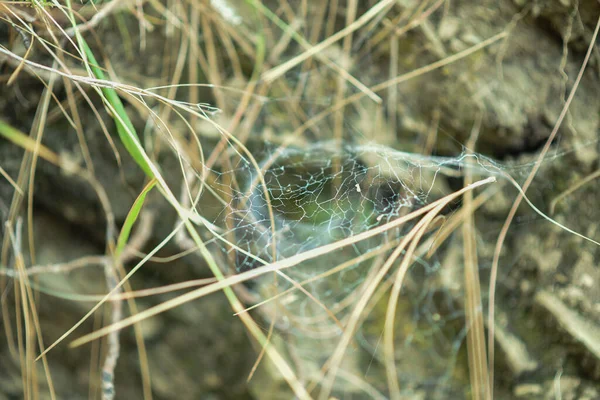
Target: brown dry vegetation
x=265, y=199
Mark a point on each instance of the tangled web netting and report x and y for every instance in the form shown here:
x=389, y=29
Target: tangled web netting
x=306, y=198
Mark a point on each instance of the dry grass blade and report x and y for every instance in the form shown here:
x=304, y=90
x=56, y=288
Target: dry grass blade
x=396, y=81
x=111, y=293
x=330, y=272
x=388, y=337
x=276, y=72
x=59, y=268
x=372, y=285
x=273, y=133
x=576, y=186
x=519, y=199
x=30, y=316
x=17, y=70
x=478, y=368
x=345, y=75
x=10, y=180
x=279, y=265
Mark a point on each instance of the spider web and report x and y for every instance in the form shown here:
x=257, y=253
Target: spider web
x=303, y=198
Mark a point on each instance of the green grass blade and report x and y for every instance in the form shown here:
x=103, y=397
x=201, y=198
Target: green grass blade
x=14, y=135
x=132, y=216
x=27, y=143
x=125, y=128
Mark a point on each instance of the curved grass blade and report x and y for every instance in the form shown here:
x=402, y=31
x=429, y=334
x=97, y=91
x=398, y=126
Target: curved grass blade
x=132, y=216
x=125, y=128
